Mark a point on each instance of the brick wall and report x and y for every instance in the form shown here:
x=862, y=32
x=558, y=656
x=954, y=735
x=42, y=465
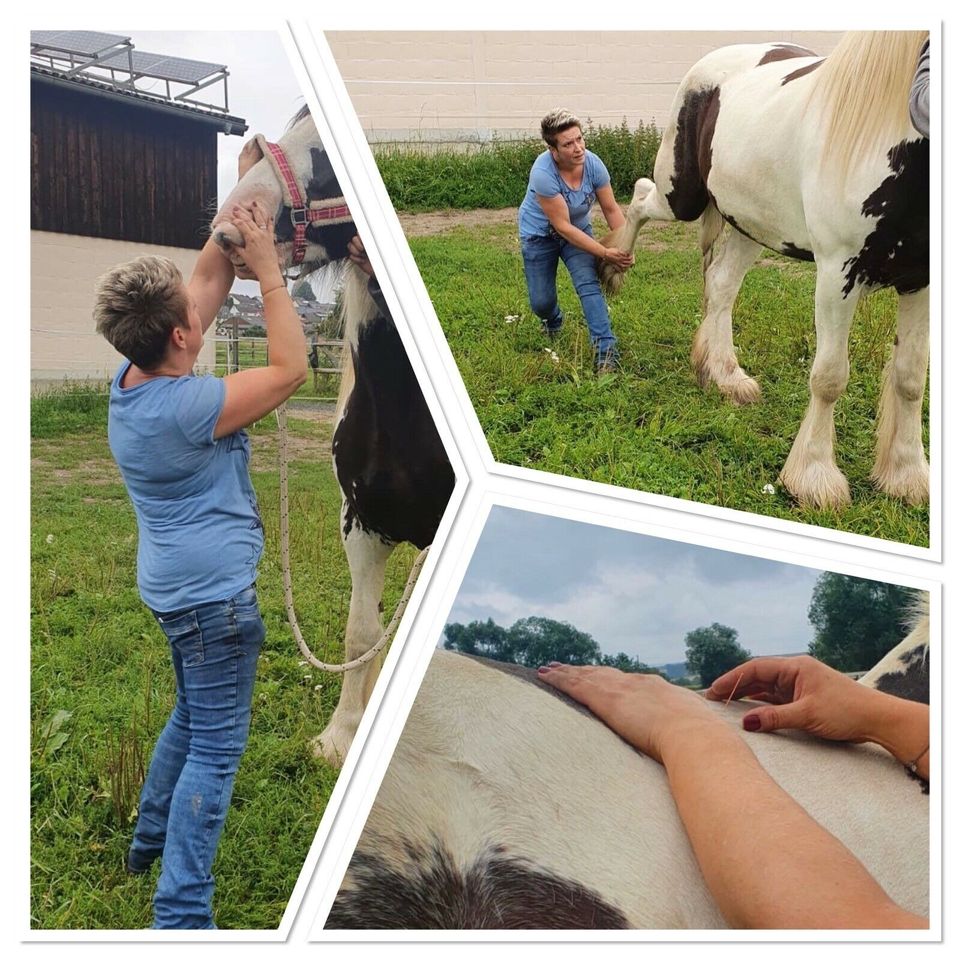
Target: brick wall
x=469, y=86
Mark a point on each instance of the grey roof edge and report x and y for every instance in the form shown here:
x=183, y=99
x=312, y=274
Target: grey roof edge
x=226, y=123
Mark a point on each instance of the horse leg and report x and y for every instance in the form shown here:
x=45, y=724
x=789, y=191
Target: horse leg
x=367, y=556
x=810, y=473
x=647, y=204
x=714, y=356
x=901, y=468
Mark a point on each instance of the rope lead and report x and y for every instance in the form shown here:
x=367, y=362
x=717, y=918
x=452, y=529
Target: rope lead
x=387, y=635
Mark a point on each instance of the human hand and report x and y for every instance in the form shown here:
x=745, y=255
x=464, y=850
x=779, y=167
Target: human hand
x=619, y=258
x=803, y=694
x=358, y=255
x=260, y=260
x=644, y=709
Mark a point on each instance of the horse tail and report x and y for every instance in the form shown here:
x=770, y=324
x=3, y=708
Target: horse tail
x=711, y=226
x=862, y=91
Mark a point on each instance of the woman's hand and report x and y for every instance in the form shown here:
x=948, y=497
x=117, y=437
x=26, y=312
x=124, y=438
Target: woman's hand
x=804, y=694
x=259, y=250
x=619, y=258
x=358, y=255
x=644, y=709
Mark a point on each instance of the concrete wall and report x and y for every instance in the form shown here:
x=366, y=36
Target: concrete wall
x=438, y=86
x=63, y=269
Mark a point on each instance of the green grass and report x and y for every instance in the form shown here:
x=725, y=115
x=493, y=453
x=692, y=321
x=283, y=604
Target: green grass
x=652, y=428
x=98, y=656
x=496, y=174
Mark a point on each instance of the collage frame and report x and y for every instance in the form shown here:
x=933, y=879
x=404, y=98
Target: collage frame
x=481, y=484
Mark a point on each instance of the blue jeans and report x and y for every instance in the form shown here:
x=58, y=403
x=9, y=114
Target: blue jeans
x=540, y=258
x=187, y=791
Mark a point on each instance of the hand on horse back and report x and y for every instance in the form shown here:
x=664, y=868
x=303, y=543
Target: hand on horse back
x=802, y=693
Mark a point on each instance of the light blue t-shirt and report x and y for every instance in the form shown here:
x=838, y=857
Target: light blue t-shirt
x=546, y=181
x=200, y=530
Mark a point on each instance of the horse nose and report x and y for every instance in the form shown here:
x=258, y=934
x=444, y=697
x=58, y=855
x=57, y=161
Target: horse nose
x=226, y=235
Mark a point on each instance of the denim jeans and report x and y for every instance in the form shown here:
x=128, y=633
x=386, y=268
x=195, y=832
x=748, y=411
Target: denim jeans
x=540, y=258
x=187, y=791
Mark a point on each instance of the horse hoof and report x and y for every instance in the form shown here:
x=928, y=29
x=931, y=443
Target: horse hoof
x=741, y=392
x=332, y=745
x=911, y=484
x=818, y=485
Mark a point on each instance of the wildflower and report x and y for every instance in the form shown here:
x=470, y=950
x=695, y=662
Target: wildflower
x=769, y=488
x=511, y=318
x=552, y=354
x=50, y=538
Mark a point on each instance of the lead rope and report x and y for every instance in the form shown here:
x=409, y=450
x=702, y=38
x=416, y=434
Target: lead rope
x=387, y=636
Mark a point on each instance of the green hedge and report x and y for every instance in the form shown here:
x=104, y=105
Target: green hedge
x=496, y=175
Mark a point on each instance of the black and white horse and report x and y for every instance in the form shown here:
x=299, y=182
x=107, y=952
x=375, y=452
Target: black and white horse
x=816, y=159
x=394, y=475
x=507, y=805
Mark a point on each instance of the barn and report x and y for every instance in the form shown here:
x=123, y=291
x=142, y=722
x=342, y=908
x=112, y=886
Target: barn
x=123, y=156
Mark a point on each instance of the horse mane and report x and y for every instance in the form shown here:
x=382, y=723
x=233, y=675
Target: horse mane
x=863, y=90
x=303, y=112
x=358, y=307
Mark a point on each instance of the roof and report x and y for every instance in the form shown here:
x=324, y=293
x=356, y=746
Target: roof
x=107, y=65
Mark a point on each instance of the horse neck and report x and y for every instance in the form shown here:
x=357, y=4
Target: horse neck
x=862, y=93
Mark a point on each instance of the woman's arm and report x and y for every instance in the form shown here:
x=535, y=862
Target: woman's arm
x=252, y=394
x=611, y=209
x=558, y=213
x=767, y=863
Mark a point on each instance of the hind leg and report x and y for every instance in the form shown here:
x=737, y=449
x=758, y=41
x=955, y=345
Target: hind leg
x=811, y=473
x=367, y=557
x=714, y=356
x=901, y=468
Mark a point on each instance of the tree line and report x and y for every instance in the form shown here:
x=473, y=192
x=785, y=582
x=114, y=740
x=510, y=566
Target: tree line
x=856, y=622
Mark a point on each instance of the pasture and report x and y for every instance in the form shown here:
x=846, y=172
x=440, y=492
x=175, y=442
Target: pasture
x=101, y=683
x=651, y=427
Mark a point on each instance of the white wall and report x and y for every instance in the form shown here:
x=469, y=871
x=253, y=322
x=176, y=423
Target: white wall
x=63, y=270
x=449, y=86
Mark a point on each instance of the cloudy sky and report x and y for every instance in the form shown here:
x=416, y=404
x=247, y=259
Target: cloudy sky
x=632, y=593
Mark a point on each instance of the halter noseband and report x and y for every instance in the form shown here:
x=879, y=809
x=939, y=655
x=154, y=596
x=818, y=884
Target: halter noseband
x=333, y=210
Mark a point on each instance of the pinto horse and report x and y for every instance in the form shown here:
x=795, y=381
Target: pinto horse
x=508, y=805
x=816, y=159
x=394, y=475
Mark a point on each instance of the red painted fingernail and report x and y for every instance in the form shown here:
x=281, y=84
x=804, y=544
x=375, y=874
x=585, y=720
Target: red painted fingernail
x=752, y=723
x=543, y=669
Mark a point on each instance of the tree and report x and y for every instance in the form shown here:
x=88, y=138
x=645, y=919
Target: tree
x=856, y=621
x=538, y=640
x=712, y=651
x=479, y=639
x=628, y=664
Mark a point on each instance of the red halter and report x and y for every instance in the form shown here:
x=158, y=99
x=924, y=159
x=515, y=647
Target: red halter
x=333, y=210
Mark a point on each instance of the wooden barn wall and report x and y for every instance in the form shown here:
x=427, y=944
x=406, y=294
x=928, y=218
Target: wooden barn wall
x=121, y=172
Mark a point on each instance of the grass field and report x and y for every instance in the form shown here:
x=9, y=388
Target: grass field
x=102, y=686
x=652, y=428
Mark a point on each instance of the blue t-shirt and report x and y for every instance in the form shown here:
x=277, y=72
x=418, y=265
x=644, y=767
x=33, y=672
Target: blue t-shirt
x=200, y=530
x=546, y=181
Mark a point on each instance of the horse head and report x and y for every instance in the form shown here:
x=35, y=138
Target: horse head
x=293, y=178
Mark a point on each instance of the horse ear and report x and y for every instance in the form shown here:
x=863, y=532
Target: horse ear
x=251, y=153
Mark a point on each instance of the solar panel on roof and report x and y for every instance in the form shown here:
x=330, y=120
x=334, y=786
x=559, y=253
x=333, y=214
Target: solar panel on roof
x=164, y=67
x=84, y=42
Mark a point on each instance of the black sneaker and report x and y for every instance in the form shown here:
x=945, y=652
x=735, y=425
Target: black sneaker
x=137, y=864
x=552, y=332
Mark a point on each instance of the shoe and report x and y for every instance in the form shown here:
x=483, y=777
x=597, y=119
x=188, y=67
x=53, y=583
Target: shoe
x=137, y=864
x=552, y=332
x=608, y=367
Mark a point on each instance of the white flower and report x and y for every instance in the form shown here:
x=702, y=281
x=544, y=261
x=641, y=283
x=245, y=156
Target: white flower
x=511, y=318
x=50, y=538
x=552, y=354
x=318, y=688
x=769, y=488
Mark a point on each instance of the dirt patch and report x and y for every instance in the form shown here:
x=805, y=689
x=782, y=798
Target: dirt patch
x=314, y=445
x=433, y=222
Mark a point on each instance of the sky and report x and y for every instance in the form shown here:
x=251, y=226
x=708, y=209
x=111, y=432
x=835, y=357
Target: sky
x=632, y=593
